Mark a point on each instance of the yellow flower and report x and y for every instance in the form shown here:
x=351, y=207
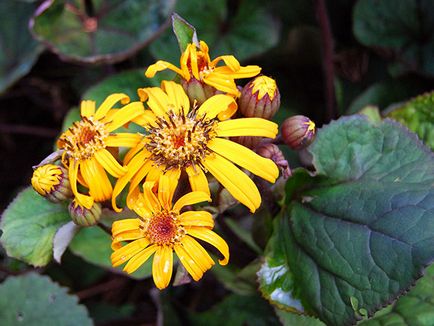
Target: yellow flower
x=162, y=229
x=196, y=63
x=193, y=140
x=85, y=142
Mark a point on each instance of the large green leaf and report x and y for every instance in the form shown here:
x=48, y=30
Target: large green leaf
x=33, y=299
x=29, y=225
x=94, y=246
x=418, y=115
x=18, y=50
x=365, y=232
x=108, y=31
x=405, y=27
x=247, y=33
x=416, y=308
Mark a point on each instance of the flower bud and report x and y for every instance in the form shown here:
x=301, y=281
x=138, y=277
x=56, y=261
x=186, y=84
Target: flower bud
x=83, y=216
x=260, y=98
x=298, y=132
x=272, y=151
x=52, y=182
x=197, y=90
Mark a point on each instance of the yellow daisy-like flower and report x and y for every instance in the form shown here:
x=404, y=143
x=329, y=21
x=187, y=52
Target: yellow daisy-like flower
x=85, y=142
x=196, y=63
x=193, y=140
x=162, y=229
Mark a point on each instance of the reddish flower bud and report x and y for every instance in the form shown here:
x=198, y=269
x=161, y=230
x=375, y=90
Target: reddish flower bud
x=272, y=151
x=52, y=182
x=197, y=90
x=260, y=98
x=298, y=132
x=82, y=216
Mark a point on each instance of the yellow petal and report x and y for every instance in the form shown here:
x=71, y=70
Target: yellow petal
x=133, y=166
x=155, y=173
x=177, y=96
x=124, y=115
x=121, y=255
x=216, y=105
x=157, y=100
x=193, y=62
x=160, y=66
x=197, y=253
x=108, y=162
x=136, y=201
x=234, y=180
x=183, y=62
x=229, y=61
x=167, y=186
x=123, y=140
x=242, y=72
x=125, y=236
x=83, y=200
x=247, y=127
x=246, y=158
x=141, y=174
x=222, y=83
x=95, y=176
x=198, y=180
x=139, y=259
x=197, y=218
x=109, y=102
x=125, y=225
x=162, y=267
x=133, y=151
x=151, y=201
x=146, y=120
x=87, y=108
x=190, y=199
x=213, y=239
x=188, y=262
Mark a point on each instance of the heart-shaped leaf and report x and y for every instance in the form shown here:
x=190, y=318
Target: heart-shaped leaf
x=29, y=225
x=404, y=27
x=34, y=299
x=102, y=32
x=18, y=50
x=418, y=115
x=365, y=231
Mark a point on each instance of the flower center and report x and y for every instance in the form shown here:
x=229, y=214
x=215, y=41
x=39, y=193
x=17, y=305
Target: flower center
x=164, y=229
x=180, y=140
x=84, y=138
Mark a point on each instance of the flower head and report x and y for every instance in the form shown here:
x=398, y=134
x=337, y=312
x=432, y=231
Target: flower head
x=163, y=229
x=85, y=147
x=181, y=138
x=195, y=63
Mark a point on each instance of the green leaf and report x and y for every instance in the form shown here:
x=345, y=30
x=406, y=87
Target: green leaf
x=249, y=32
x=18, y=50
x=29, y=225
x=367, y=229
x=418, y=116
x=106, y=32
x=404, y=27
x=94, y=246
x=125, y=82
x=34, y=299
x=415, y=308
x=276, y=282
x=184, y=32
x=237, y=310
x=291, y=319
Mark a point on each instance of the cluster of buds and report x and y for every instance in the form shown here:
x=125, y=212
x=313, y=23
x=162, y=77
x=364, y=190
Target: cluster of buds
x=52, y=182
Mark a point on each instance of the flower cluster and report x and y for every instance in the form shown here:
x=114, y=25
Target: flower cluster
x=189, y=136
